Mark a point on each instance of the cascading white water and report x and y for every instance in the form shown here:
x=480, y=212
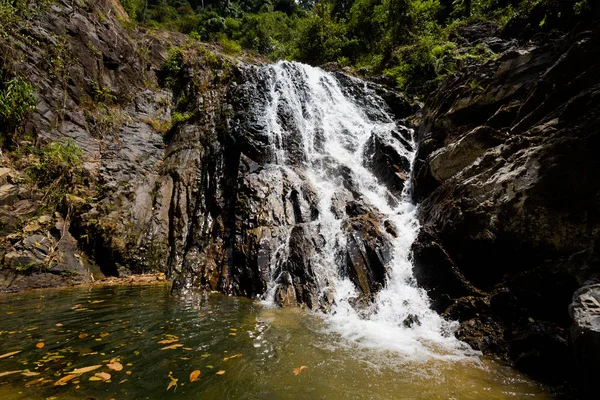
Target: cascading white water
x=334, y=130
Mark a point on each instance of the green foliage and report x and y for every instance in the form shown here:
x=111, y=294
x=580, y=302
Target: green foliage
x=229, y=46
x=171, y=67
x=406, y=40
x=57, y=164
x=177, y=117
x=17, y=100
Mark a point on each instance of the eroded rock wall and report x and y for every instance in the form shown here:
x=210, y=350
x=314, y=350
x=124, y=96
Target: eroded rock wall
x=508, y=181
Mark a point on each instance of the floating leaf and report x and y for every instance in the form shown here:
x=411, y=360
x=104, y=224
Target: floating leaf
x=233, y=356
x=95, y=378
x=232, y=334
x=167, y=341
x=531, y=320
x=63, y=381
x=115, y=366
x=221, y=372
x=173, y=382
x=194, y=376
x=299, y=369
x=10, y=372
x=30, y=373
x=12, y=353
x=83, y=370
x=103, y=375
x=40, y=345
x=209, y=367
x=59, y=325
x=171, y=347
x=82, y=335
x=97, y=301
x=104, y=334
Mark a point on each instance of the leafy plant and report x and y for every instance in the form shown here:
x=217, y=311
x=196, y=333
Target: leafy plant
x=17, y=100
x=57, y=166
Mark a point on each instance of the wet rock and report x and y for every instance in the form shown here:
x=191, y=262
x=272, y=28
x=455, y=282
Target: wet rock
x=411, y=321
x=585, y=336
x=368, y=253
x=507, y=186
x=388, y=161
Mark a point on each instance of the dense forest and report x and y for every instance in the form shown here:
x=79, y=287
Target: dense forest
x=408, y=43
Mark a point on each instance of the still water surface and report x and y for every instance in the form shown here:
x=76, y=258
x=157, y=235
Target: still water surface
x=83, y=327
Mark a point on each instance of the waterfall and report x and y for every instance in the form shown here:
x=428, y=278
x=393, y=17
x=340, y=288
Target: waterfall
x=348, y=159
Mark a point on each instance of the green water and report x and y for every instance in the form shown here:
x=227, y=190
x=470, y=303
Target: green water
x=84, y=327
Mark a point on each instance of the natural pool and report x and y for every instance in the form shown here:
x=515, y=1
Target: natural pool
x=241, y=348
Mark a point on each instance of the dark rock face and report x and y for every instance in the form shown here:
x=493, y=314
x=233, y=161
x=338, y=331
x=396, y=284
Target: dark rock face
x=258, y=227
x=509, y=186
x=585, y=335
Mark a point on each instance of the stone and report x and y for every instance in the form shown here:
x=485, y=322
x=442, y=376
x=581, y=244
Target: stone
x=585, y=336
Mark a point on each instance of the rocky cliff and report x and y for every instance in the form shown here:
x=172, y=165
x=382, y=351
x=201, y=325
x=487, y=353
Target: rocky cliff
x=118, y=93
x=508, y=184
x=178, y=171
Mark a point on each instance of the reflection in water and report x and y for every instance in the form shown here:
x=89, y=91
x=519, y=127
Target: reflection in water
x=83, y=327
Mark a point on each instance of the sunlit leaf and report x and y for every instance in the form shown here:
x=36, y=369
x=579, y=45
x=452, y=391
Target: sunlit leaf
x=59, y=325
x=104, y=334
x=103, y=375
x=95, y=378
x=115, y=366
x=171, y=347
x=39, y=345
x=173, y=382
x=194, y=376
x=209, y=367
x=221, y=372
x=82, y=335
x=12, y=353
x=30, y=373
x=97, y=301
x=299, y=369
x=10, y=372
x=83, y=370
x=167, y=341
x=233, y=356
x=64, y=380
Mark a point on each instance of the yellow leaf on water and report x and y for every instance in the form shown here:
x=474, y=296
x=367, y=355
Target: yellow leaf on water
x=12, y=353
x=103, y=375
x=40, y=345
x=97, y=301
x=64, y=380
x=173, y=382
x=29, y=374
x=167, y=341
x=232, y=334
x=83, y=370
x=95, y=378
x=10, y=372
x=171, y=347
x=299, y=369
x=115, y=366
x=82, y=335
x=104, y=334
x=59, y=325
x=221, y=372
x=194, y=376
x=233, y=356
